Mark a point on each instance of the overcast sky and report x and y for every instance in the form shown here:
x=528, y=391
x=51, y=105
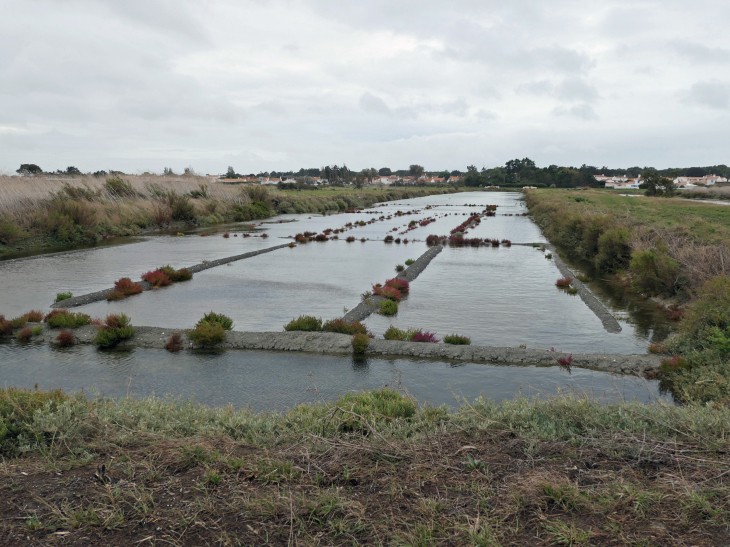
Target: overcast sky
x=259, y=85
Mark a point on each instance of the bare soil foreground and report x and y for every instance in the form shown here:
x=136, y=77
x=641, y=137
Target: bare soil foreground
x=368, y=469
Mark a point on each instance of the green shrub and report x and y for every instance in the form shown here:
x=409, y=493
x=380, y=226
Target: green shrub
x=394, y=333
x=388, y=307
x=63, y=296
x=119, y=187
x=10, y=233
x=176, y=276
x=614, y=250
x=37, y=330
x=409, y=261
x=65, y=319
x=213, y=318
x=116, y=328
x=360, y=342
x=572, y=290
x=19, y=322
x=207, y=334
x=304, y=323
x=400, y=268
x=343, y=327
x=655, y=272
x=181, y=207
x=382, y=405
x=457, y=340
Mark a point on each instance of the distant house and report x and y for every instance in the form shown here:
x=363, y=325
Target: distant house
x=707, y=180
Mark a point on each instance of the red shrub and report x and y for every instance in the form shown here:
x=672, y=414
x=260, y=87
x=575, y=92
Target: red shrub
x=321, y=237
x=25, y=334
x=425, y=337
x=264, y=235
x=6, y=327
x=388, y=239
x=506, y=243
x=300, y=238
x=127, y=287
x=566, y=361
x=157, y=279
x=350, y=239
x=34, y=316
x=226, y=235
x=65, y=338
x=398, y=283
x=390, y=293
x=564, y=282
x=174, y=343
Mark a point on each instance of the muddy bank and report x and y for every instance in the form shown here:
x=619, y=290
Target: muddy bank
x=101, y=295
x=365, y=308
x=325, y=342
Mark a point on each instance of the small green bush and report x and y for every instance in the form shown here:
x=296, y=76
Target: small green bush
x=394, y=333
x=19, y=322
x=343, y=327
x=64, y=296
x=388, y=307
x=207, y=334
x=37, y=330
x=65, y=319
x=400, y=268
x=572, y=290
x=655, y=272
x=409, y=261
x=614, y=250
x=115, y=329
x=304, y=323
x=457, y=340
x=360, y=342
x=176, y=276
x=213, y=318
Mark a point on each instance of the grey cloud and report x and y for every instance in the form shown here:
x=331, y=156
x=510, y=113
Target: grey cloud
x=569, y=89
x=712, y=94
x=698, y=53
x=373, y=104
x=581, y=111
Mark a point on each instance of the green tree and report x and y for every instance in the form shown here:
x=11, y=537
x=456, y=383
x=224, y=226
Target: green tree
x=384, y=172
x=71, y=170
x=29, y=169
x=416, y=170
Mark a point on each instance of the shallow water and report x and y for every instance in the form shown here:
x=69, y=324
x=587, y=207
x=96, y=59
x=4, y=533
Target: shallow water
x=279, y=380
x=497, y=296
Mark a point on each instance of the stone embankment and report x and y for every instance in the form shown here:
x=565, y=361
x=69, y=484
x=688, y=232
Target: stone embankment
x=101, y=295
x=326, y=342
x=368, y=306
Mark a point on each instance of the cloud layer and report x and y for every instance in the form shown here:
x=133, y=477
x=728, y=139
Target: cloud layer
x=282, y=84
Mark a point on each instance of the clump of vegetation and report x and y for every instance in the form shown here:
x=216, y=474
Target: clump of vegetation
x=63, y=296
x=549, y=256
x=399, y=268
x=399, y=284
x=211, y=329
x=157, y=278
x=66, y=338
x=174, y=343
x=24, y=334
x=564, y=282
x=65, y=319
x=345, y=327
x=176, y=276
x=409, y=261
x=18, y=322
x=360, y=342
x=304, y=323
x=388, y=307
x=116, y=328
x=572, y=290
x=6, y=326
x=389, y=292
x=34, y=316
x=584, y=278
x=123, y=288
x=394, y=333
x=37, y=330
x=457, y=340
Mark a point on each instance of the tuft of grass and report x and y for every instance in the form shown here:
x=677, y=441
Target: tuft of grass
x=388, y=307
x=304, y=323
x=65, y=319
x=394, y=333
x=63, y=296
x=116, y=328
x=18, y=322
x=457, y=340
x=409, y=261
x=65, y=338
x=549, y=256
x=381, y=405
x=38, y=329
x=572, y=290
x=360, y=342
x=400, y=267
x=584, y=278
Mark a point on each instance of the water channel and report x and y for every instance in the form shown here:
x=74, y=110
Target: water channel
x=503, y=296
